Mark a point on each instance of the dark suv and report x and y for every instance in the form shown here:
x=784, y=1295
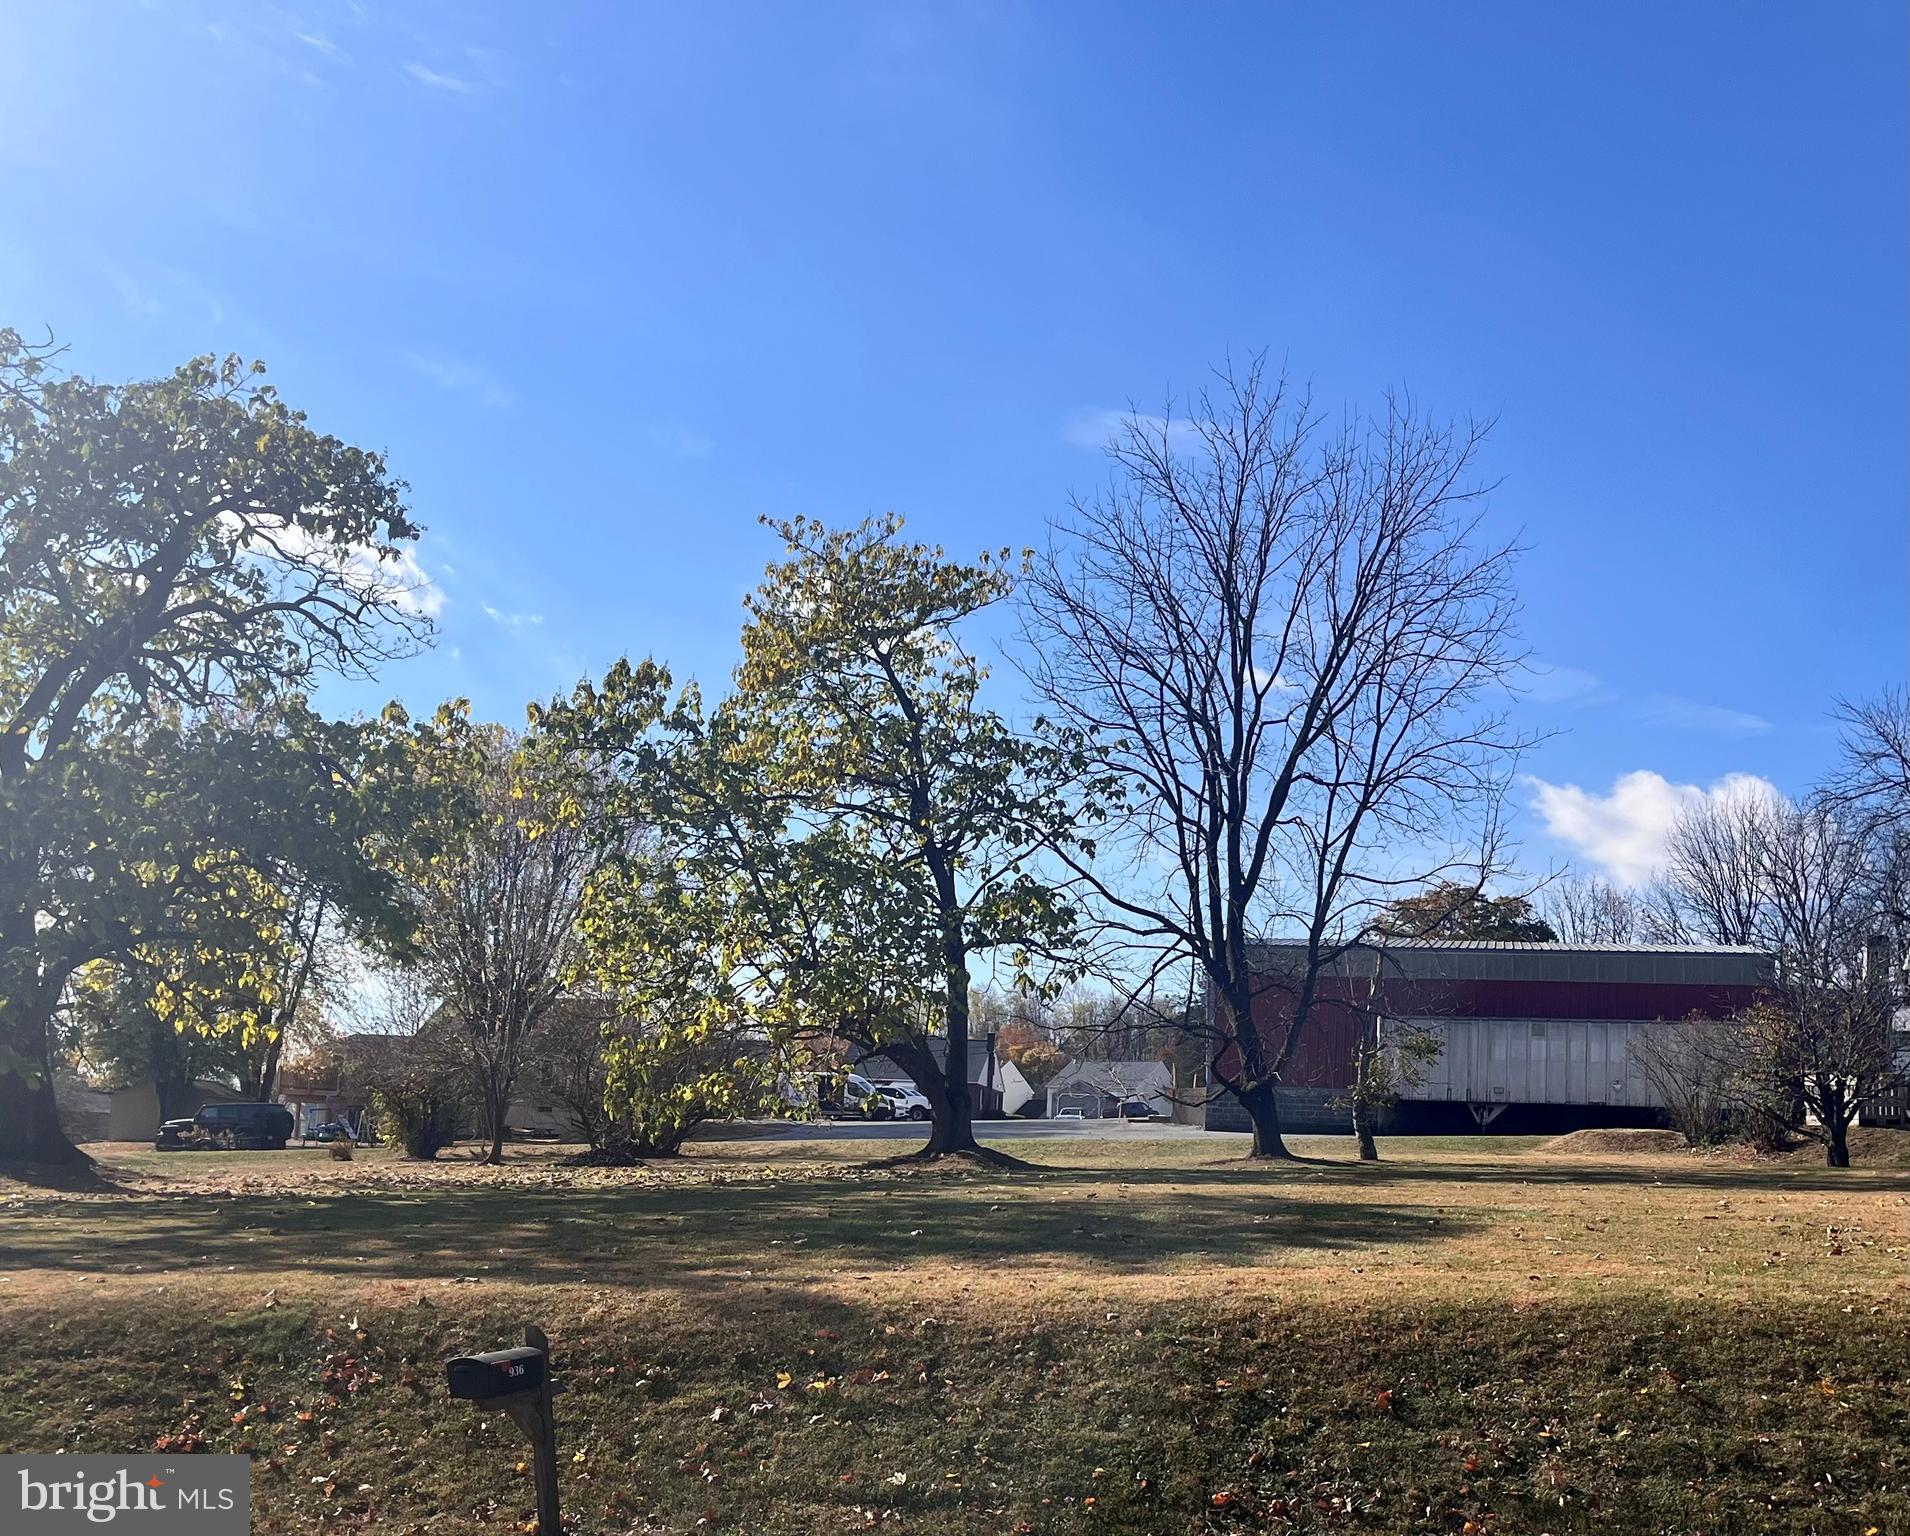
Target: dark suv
x=235, y=1127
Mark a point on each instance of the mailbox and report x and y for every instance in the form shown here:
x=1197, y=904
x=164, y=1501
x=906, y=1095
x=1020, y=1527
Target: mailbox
x=518, y=1382
x=501, y=1373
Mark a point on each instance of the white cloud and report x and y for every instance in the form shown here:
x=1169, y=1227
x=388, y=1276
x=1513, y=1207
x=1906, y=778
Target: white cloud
x=1279, y=682
x=1563, y=685
x=1623, y=832
x=427, y=76
x=1687, y=714
x=1097, y=428
x=319, y=43
x=395, y=577
x=460, y=376
x=510, y=620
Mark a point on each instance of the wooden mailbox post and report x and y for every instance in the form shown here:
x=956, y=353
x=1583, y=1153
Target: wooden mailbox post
x=519, y=1382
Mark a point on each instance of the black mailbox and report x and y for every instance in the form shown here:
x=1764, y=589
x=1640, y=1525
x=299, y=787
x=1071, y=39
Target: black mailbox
x=501, y=1373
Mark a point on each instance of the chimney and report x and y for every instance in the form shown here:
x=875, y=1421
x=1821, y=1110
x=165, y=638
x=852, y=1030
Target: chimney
x=1877, y=960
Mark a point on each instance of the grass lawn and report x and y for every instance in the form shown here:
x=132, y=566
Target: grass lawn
x=1474, y=1336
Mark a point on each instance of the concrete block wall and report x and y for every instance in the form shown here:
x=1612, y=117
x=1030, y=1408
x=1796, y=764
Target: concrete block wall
x=1303, y=1111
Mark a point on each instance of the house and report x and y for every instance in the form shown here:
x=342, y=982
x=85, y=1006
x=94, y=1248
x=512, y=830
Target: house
x=1099, y=1088
x=333, y=1087
x=995, y=1085
x=1544, y=1032
x=130, y=1113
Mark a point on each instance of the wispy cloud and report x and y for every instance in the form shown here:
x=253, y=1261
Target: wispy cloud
x=1097, y=428
x=512, y=621
x=460, y=376
x=1564, y=685
x=672, y=436
x=149, y=292
x=1689, y=715
x=437, y=80
x=1623, y=832
x=319, y=43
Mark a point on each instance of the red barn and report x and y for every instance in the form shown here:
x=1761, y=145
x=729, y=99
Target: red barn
x=1543, y=1029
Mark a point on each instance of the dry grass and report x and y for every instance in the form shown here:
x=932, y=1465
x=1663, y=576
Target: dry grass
x=1472, y=1330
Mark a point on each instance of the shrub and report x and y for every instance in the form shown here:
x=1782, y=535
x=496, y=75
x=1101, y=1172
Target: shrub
x=1694, y=1066
x=422, y=1117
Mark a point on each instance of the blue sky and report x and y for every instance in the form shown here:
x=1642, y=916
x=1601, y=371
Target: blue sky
x=607, y=283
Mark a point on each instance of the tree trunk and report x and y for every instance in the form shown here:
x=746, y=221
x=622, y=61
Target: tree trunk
x=30, y=1130
x=171, y=1067
x=1365, y=1111
x=1837, y=1148
x=1263, y=1109
x=267, y=1080
x=952, y=1111
x=1363, y=1129
x=494, y=1112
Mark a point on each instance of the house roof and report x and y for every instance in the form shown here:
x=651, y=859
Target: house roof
x=1733, y=965
x=1558, y=947
x=1104, y=1075
x=879, y=1066
x=1548, y=947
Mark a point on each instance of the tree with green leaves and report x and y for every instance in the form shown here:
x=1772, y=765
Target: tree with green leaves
x=848, y=834
x=112, y=1028
x=1452, y=909
x=171, y=551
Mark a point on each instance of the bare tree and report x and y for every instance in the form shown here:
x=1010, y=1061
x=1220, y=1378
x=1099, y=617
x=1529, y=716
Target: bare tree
x=1712, y=889
x=567, y=1061
x=498, y=908
x=1827, y=1026
x=402, y=1051
x=1696, y=1067
x=1875, y=774
x=1588, y=909
x=1289, y=642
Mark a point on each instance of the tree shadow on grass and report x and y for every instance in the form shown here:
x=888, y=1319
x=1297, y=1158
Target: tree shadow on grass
x=794, y=1231
x=1557, y=1172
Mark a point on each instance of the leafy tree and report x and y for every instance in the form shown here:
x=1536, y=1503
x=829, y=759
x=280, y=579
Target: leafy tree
x=845, y=833
x=113, y=1030
x=168, y=549
x=1032, y=1053
x=857, y=690
x=1388, y=1063
x=634, y=1088
x=1449, y=909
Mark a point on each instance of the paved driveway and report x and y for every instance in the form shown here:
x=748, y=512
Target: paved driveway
x=985, y=1130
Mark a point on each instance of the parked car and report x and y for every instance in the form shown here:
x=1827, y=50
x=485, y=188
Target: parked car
x=227, y=1127
x=1069, y=1114
x=862, y=1097
x=909, y=1101
x=1136, y=1109
x=331, y=1130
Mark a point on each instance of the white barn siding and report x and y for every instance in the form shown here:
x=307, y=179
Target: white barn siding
x=1537, y=1061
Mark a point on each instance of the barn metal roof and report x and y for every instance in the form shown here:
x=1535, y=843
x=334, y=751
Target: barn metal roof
x=1502, y=960
x=1554, y=947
